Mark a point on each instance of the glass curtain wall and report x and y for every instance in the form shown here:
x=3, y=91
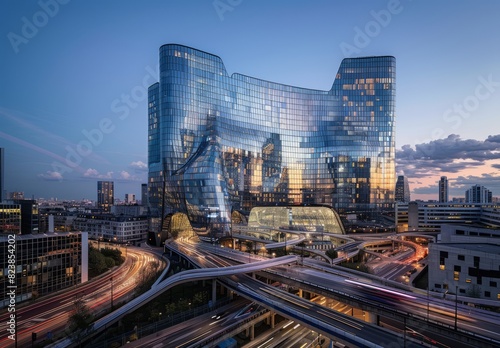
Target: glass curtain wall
x=221, y=143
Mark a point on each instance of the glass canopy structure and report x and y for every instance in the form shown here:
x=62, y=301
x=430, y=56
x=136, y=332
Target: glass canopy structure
x=303, y=219
x=219, y=144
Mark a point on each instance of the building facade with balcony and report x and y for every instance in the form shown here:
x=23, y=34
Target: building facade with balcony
x=113, y=228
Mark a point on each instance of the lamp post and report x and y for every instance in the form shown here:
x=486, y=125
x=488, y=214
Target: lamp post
x=427, y=302
x=456, y=305
x=285, y=245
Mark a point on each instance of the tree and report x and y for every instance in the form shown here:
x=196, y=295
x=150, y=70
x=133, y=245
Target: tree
x=115, y=254
x=110, y=262
x=79, y=322
x=97, y=262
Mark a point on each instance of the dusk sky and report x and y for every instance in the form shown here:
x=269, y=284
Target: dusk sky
x=77, y=70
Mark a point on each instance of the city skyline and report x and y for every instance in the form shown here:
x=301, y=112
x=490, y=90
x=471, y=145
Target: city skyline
x=74, y=107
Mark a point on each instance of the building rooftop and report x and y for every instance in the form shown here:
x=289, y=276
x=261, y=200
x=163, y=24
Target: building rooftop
x=483, y=247
x=4, y=237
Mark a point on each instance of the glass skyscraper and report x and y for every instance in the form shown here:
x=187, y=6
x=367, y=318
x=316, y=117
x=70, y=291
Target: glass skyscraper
x=402, y=190
x=219, y=143
x=1, y=174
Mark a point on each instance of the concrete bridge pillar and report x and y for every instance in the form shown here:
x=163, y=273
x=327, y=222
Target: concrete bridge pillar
x=250, y=332
x=300, y=293
x=214, y=291
x=273, y=319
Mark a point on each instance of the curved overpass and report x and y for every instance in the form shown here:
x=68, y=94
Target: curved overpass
x=176, y=279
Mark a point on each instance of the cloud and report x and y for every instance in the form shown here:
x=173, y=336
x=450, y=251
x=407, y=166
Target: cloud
x=490, y=181
x=94, y=174
x=451, y=155
x=139, y=166
x=125, y=175
x=51, y=176
x=122, y=176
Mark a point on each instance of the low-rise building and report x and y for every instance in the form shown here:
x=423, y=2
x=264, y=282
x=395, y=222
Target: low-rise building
x=113, y=228
x=10, y=218
x=26, y=209
x=430, y=216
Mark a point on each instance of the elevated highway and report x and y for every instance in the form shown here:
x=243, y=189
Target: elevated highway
x=324, y=320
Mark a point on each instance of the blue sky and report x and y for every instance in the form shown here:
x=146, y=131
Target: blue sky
x=73, y=73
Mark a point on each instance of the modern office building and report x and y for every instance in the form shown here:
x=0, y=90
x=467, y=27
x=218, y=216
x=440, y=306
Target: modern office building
x=401, y=215
x=45, y=263
x=105, y=195
x=2, y=169
x=466, y=261
x=478, y=194
x=220, y=144
x=443, y=189
x=431, y=216
x=10, y=218
x=402, y=190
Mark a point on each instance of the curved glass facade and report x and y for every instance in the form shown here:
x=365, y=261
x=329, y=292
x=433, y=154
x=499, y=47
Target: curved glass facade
x=219, y=143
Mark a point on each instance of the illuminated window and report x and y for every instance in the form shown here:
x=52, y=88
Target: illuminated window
x=456, y=275
x=467, y=280
x=441, y=267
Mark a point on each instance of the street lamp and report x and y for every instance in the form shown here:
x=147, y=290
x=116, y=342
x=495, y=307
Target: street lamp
x=427, y=302
x=456, y=305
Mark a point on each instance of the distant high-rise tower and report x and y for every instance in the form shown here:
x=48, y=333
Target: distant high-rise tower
x=1, y=174
x=443, y=189
x=129, y=198
x=402, y=190
x=105, y=195
x=478, y=194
